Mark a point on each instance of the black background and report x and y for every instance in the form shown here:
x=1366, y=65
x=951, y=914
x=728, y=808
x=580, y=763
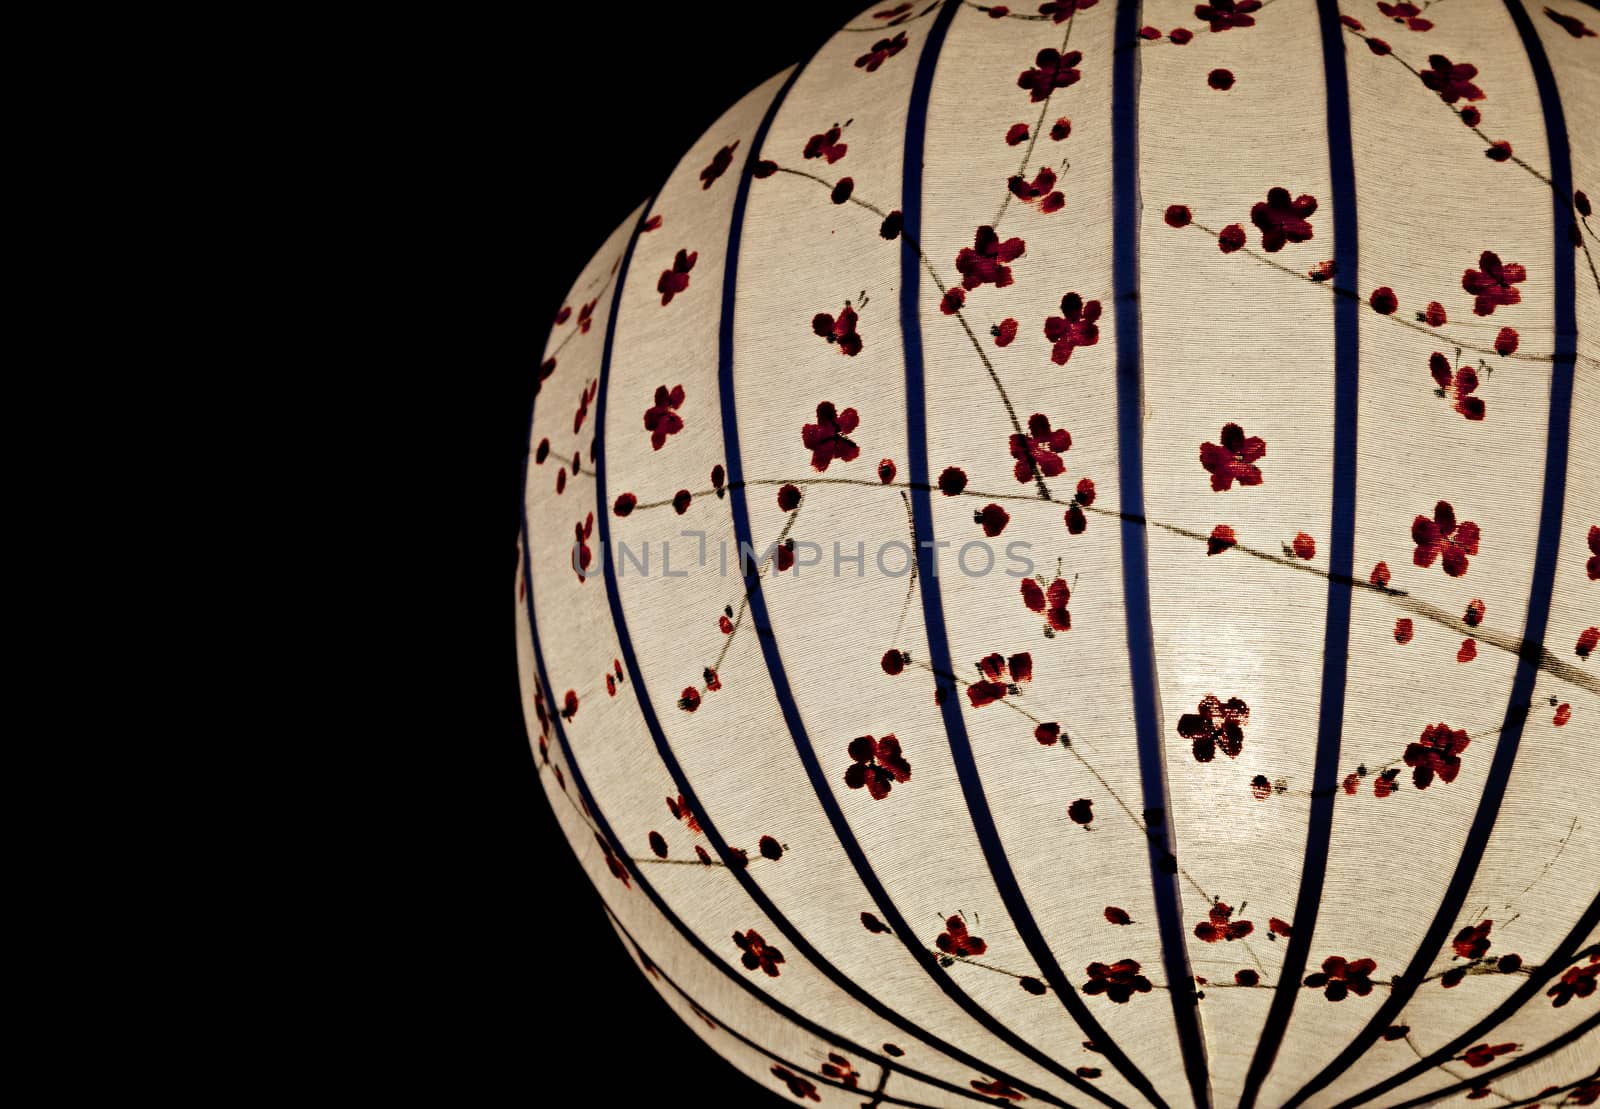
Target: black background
x=582, y=998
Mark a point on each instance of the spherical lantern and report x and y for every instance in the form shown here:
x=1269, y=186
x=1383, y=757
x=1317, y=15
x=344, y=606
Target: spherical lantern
x=1060, y=560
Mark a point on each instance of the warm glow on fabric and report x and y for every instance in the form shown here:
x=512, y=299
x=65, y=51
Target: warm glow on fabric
x=1061, y=560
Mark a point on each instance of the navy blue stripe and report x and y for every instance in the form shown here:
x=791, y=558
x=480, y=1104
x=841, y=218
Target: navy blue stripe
x=759, y=617
x=620, y=850
x=1561, y=958
x=1518, y=1063
x=1159, y=833
x=763, y=631
x=1341, y=559
x=1552, y=505
x=932, y=598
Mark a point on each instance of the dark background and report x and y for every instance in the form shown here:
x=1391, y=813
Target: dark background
x=624, y=125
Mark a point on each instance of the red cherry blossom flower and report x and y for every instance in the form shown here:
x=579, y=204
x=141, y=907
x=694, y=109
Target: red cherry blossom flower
x=1481, y=1055
x=1048, y=734
x=1221, y=539
x=586, y=316
x=789, y=498
x=1450, y=80
x=881, y=51
x=582, y=554
x=1234, y=460
x=801, y=1088
x=1178, y=215
x=1246, y=977
x=952, y=481
x=1578, y=30
x=1443, y=536
x=1060, y=11
x=1340, y=978
x=1468, y=651
x=1061, y=129
x=1004, y=332
x=1383, y=301
x=1075, y=327
x=1029, y=191
x=1052, y=70
x=1589, y=638
x=1276, y=927
x=1494, y=285
x=1380, y=575
x=584, y=398
x=992, y=518
x=1260, y=789
x=1180, y=35
x=954, y=297
x=1215, y=724
x=999, y=676
x=1497, y=152
x=1406, y=13
x=681, y=500
x=954, y=940
x=840, y=330
x=719, y=165
x=886, y=471
x=1017, y=134
x=652, y=223
x=662, y=419
x=1225, y=14
x=1305, y=547
x=894, y=662
x=1435, y=314
x=758, y=954
x=1220, y=79
x=826, y=439
x=1472, y=942
x=1119, y=981
x=689, y=701
x=1462, y=381
x=1403, y=630
x=1051, y=601
x=1578, y=981
x=676, y=280
x=1039, y=450
x=1283, y=220
x=1115, y=915
x=620, y=873
x=826, y=146
x=998, y=1088
x=1222, y=926
x=1076, y=521
x=679, y=808
x=986, y=261
x=838, y=1067
x=877, y=765
x=1437, y=752
x=1230, y=238
x=1506, y=342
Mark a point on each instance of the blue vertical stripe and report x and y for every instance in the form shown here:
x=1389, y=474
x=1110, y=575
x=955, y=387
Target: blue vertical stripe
x=1341, y=560
x=932, y=598
x=761, y=620
x=1160, y=838
x=1551, y=508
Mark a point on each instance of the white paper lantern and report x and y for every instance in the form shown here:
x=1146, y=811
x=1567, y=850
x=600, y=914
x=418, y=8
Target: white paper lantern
x=1164, y=443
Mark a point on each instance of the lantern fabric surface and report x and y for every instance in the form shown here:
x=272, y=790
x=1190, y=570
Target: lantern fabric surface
x=1266, y=332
